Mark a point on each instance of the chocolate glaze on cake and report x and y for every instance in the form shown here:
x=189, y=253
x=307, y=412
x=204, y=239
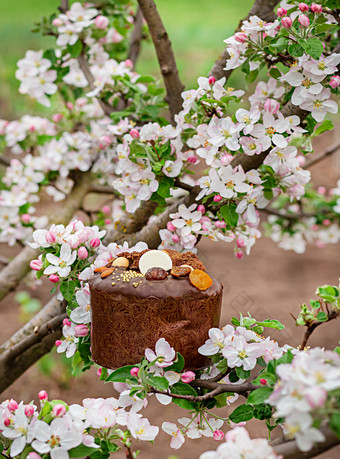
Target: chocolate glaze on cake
x=128, y=317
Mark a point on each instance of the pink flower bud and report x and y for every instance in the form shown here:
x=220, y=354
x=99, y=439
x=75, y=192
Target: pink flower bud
x=7, y=422
x=192, y=159
x=43, y=395
x=303, y=7
x=67, y=322
x=239, y=254
x=99, y=372
x=59, y=410
x=201, y=208
x=101, y=22
x=134, y=134
x=12, y=405
x=58, y=342
x=105, y=140
x=320, y=244
x=95, y=242
x=286, y=22
x=211, y=80
x=303, y=20
x=69, y=105
x=54, y=278
x=241, y=37
x=302, y=160
x=263, y=382
x=316, y=8
x=316, y=397
x=175, y=238
x=226, y=159
x=218, y=198
x=57, y=22
x=314, y=227
x=218, y=435
x=326, y=222
x=240, y=242
x=50, y=237
x=281, y=12
x=129, y=63
x=33, y=455
x=134, y=372
x=334, y=82
x=107, y=221
x=321, y=190
x=271, y=106
x=29, y=410
x=26, y=218
x=82, y=253
x=220, y=224
x=81, y=102
x=81, y=330
x=57, y=117
x=205, y=227
x=106, y=209
x=188, y=376
x=36, y=265
x=171, y=227
x=31, y=128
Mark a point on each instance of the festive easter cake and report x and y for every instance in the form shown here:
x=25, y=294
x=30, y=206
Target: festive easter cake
x=140, y=297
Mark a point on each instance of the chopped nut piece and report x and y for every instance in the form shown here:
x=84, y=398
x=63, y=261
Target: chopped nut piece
x=121, y=262
x=107, y=272
x=100, y=269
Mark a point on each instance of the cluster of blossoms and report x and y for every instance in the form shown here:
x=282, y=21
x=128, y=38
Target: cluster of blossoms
x=57, y=430
x=305, y=395
x=317, y=224
x=297, y=29
x=239, y=445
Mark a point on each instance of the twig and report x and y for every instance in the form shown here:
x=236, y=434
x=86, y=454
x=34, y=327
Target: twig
x=324, y=155
x=289, y=449
x=165, y=56
x=136, y=37
x=4, y=161
x=313, y=325
x=82, y=61
x=102, y=189
x=128, y=451
x=4, y=260
x=184, y=186
x=64, y=6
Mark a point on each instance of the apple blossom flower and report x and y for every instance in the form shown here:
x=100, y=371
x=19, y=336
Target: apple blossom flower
x=82, y=314
x=69, y=344
x=140, y=427
x=187, y=219
x=214, y=344
x=223, y=132
x=62, y=264
x=319, y=105
x=101, y=22
x=20, y=430
x=177, y=439
x=271, y=131
x=239, y=353
x=251, y=146
x=164, y=355
x=228, y=181
x=197, y=428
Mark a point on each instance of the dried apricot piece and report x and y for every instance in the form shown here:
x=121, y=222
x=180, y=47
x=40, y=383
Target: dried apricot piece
x=100, y=269
x=107, y=272
x=180, y=271
x=200, y=279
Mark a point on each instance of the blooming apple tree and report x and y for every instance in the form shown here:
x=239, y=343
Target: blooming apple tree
x=122, y=135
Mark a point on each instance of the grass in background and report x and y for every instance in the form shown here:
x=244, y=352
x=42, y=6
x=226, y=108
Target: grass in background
x=196, y=28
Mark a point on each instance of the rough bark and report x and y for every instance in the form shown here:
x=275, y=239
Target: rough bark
x=165, y=55
x=136, y=37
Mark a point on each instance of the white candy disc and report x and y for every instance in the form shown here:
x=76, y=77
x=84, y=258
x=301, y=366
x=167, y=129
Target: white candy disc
x=154, y=259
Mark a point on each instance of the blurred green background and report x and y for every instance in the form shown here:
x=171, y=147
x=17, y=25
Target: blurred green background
x=197, y=29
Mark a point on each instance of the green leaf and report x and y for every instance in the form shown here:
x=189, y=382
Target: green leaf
x=146, y=79
x=181, y=388
x=275, y=73
x=259, y=395
x=312, y=46
x=262, y=411
x=159, y=382
x=241, y=373
x=235, y=322
x=222, y=366
x=295, y=50
x=221, y=399
x=271, y=323
x=164, y=187
x=229, y=214
x=334, y=423
x=81, y=451
x=67, y=289
x=322, y=316
x=327, y=125
x=121, y=374
x=242, y=413
x=283, y=68
x=178, y=365
x=75, y=49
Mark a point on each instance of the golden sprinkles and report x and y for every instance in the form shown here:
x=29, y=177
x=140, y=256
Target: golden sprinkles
x=126, y=276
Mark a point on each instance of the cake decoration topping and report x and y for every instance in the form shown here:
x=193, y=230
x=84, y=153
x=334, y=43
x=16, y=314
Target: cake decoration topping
x=154, y=259
x=100, y=269
x=200, y=279
x=121, y=262
x=156, y=274
x=107, y=272
x=181, y=271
